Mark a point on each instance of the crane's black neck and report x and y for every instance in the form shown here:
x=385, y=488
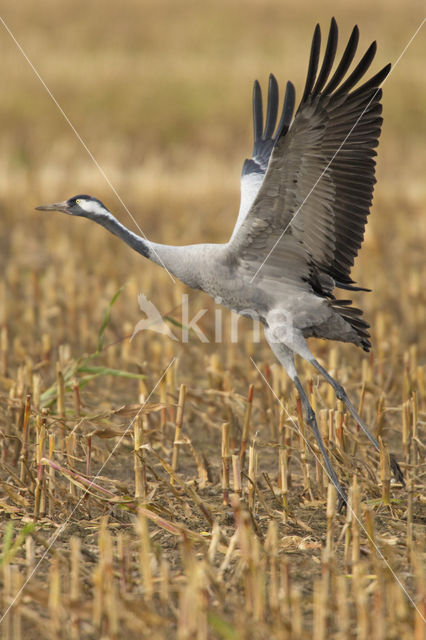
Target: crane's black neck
x=132, y=239
x=176, y=260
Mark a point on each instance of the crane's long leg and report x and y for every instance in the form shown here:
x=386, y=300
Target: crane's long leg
x=286, y=357
x=343, y=396
x=312, y=422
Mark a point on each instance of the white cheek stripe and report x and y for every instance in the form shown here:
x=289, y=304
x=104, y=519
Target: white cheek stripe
x=91, y=206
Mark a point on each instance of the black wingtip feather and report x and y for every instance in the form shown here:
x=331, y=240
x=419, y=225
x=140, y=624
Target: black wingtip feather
x=313, y=63
x=345, y=62
x=362, y=66
x=257, y=111
x=350, y=287
x=375, y=81
x=288, y=108
x=272, y=109
x=329, y=56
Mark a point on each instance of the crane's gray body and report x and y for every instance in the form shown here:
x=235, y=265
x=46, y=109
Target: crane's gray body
x=214, y=269
x=305, y=196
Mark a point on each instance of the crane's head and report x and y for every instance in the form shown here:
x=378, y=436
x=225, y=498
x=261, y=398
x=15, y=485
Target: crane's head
x=86, y=206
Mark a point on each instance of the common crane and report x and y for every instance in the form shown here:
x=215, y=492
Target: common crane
x=305, y=197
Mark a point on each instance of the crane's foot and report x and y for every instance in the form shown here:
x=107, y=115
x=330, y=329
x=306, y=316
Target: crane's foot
x=396, y=470
x=342, y=501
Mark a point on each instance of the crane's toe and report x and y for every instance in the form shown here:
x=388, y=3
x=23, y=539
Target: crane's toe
x=396, y=470
x=343, y=500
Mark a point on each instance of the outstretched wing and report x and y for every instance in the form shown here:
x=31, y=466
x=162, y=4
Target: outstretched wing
x=254, y=168
x=307, y=221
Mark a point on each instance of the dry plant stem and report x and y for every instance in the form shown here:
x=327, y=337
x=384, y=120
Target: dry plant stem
x=3, y=350
x=271, y=547
x=377, y=626
x=361, y=599
x=51, y=483
x=322, y=597
x=178, y=431
x=331, y=436
x=331, y=515
x=108, y=587
x=270, y=398
x=61, y=404
x=420, y=613
x=296, y=613
x=332, y=369
x=98, y=584
x=285, y=443
x=139, y=460
x=236, y=474
x=192, y=618
x=7, y=600
x=285, y=588
x=88, y=469
x=339, y=427
x=29, y=555
x=122, y=545
x=409, y=539
x=320, y=611
x=376, y=560
x=360, y=411
x=324, y=429
x=69, y=442
x=77, y=401
x=39, y=452
x=415, y=413
x=370, y=531
x=54, y=602
x=249, y=548
x=75, y=586
x=164, y=582
x=215, y=538
x=421, y=386
x=342, y=610
x=355, y=519
x=406, y=431
x=283, y=478
x=25, y=436
x=163, y=400
x=406, y=379
x=12, y=583
x=415, y=437
x=246, y=426
x=380, y=415
x=38, y=489
x=226, y=458
x=385, y=472
x=252, y=473
x=145, y=553
x=17, y=582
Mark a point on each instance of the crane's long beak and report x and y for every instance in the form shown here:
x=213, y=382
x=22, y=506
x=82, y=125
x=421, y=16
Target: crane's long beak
x=56, y=206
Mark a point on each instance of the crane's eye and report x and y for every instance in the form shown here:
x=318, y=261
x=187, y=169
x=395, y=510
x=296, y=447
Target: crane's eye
x=78, y=201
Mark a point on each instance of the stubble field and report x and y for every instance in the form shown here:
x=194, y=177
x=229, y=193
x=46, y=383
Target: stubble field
x=163, y=543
